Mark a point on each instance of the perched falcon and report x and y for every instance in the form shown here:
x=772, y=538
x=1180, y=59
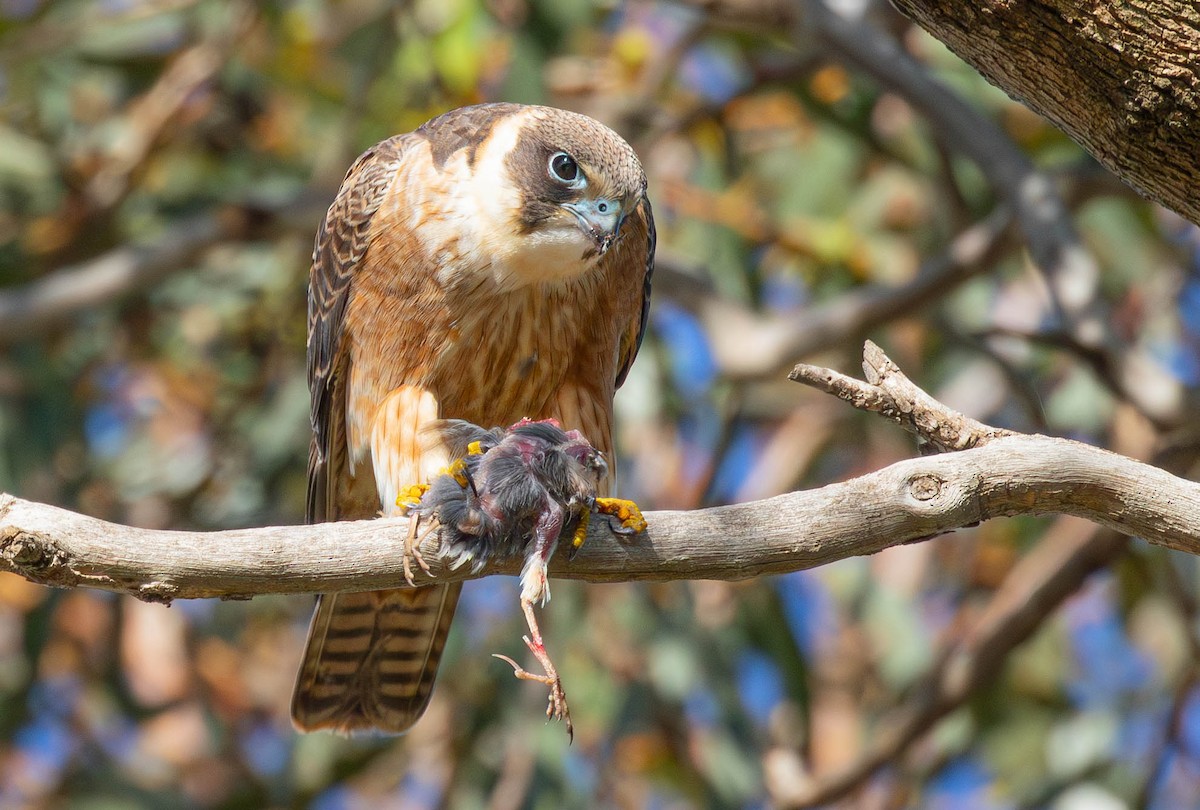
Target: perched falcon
x=492, y=265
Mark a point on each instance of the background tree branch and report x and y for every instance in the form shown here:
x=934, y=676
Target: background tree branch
x=30, y=310
x=1040, y=582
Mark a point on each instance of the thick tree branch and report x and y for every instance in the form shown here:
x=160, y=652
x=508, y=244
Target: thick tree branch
x=1003, y=474
x=1122, y=79
x=1039, y=209
x=1053, y=242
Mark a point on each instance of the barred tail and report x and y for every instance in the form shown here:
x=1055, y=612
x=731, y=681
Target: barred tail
x=372, y=657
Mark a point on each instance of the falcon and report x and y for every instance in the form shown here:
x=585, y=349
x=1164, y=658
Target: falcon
x=491, y=266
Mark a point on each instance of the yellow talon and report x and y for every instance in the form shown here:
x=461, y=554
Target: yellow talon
x=458, y=471
x=411, y=495
x=625, y=511
x=581, y=530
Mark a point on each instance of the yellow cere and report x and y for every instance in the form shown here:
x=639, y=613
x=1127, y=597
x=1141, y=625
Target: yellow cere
x=627, y=512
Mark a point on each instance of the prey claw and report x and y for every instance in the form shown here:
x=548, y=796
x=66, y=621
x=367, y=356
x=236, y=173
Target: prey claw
x=512, y=491
x=556, y=706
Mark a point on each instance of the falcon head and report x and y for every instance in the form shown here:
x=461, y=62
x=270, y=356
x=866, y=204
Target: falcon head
x=535, y=194
x=578, y=180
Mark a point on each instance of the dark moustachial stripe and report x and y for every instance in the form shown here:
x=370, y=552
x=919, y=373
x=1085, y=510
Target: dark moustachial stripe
x=541, y=197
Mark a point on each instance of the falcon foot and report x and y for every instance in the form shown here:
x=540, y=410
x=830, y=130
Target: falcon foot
x=628, y=514
x=625, y=519
x=556, y=708
x=515, y=491
x=411, y=495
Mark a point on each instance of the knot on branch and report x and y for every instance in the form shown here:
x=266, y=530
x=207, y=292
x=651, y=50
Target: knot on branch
x=36, y=557
x=156, y=592
x=42, y=559
x=925, y=487
x=939, y=500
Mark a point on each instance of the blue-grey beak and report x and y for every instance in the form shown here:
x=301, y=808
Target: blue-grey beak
x=600, y=219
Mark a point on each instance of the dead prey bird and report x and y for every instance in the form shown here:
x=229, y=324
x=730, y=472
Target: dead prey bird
x=517, y=491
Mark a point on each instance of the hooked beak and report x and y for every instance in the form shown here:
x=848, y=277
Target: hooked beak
x=600, y=219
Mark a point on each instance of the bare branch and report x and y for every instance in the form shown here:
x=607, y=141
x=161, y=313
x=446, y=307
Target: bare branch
x=891, y=394
x=1003, y=475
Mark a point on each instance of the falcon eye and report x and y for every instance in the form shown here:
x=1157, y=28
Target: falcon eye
x=564, y=169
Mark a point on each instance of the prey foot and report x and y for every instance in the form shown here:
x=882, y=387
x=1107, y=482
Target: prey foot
x=412, y=549
x=556, y=707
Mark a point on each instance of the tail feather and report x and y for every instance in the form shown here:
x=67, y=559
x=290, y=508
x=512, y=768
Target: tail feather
x=372, y=658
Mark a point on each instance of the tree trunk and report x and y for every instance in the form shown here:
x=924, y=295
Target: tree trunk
x=1122, y=79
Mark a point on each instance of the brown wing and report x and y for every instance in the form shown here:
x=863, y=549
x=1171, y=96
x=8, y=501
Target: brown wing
x=371, y=657
x=631, y=341
x=342, y=242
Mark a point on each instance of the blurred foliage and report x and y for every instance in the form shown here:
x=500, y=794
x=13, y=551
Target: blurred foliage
x=781, y=180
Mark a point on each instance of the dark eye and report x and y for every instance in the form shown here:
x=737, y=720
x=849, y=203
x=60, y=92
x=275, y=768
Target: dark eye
x=563, y=167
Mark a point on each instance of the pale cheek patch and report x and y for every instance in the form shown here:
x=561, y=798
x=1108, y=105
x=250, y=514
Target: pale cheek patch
x=490, y=227
x=547, y=256
x=490, y=193
x=400, y=453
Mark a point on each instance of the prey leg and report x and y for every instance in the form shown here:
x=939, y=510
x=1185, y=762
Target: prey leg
x=557, y=708
x=534, y=588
